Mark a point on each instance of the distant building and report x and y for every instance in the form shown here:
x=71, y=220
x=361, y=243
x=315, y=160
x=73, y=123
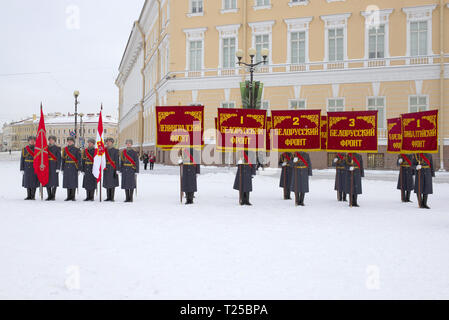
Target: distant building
x=15, y=134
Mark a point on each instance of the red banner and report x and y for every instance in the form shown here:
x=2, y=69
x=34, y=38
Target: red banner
x=180, y=126
x=324, y=133
x=420, y=132
x=269, y=127
x=241, y=129
x=394, y=135
x=295, y=130
x=352, y=131
x=41, y=162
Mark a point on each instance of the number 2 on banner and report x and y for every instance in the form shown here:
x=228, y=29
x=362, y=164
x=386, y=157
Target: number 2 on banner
x=352, y=122
x=296, y=121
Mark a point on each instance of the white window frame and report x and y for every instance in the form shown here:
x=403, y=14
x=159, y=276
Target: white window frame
x=297, y=100
x=261, y=28
x=229, y=10
x=384, y=124
x=333, y=21
x=335, y=98
x=196, y=14
x=228, y=102
x=294, y=3
x=418, y=96
x=194, y=34
x=298, y=25
x=262, y=7
x=227, y=31
x=420, y=14
x=373, y=18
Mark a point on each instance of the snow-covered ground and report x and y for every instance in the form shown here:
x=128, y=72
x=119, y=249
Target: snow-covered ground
x=156, y=248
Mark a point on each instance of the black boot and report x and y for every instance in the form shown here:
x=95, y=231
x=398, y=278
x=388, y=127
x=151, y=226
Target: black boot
x=287, y=194
x=127, y=195
x=301, y=199
x=189, y=198
x=339, y=196
x=33, y=194
x=49, y=194
x=112, y=190
x=247, y=199
x=69, y=195
x=28, y=194
x=297, y=199
x=73, y=194
x=424, y=201
x=354, y=201
x=131, y=195
x=87, y=195
x=344, y=197
x=403, y=197
x=407, y=196
x=53, y=193
x=242, y=198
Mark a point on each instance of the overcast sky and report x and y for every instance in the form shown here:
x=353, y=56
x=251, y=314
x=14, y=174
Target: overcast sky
x=46, y=53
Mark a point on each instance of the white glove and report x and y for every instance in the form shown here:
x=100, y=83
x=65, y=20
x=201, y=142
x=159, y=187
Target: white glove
x=400, y=161
x=180, y=161
x=284, y=164
x=57, y=171
x=351, y=168
x=295, y=160
x=335, y=160
x=418, y=167
x=240, y=161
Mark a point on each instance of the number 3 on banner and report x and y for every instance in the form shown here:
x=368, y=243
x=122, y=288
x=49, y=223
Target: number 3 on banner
x=352, y=122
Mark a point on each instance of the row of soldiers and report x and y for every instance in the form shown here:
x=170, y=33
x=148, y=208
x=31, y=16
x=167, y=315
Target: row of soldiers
x=72, y=161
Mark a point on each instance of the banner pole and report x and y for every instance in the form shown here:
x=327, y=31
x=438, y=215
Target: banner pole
x=101, y=190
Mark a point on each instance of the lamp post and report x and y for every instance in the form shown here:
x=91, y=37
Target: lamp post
x=81, y=130
x=252, y=67
x=76, y=95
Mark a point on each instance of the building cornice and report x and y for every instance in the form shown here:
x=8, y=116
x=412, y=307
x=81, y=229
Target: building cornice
x=419, y=12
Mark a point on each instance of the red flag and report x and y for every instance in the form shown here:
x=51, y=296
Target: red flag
x=41, y=164
x=100, y=159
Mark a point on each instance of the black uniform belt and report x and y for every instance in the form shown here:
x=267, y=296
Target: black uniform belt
x=128, y=165
x=51, y=160
x=189, y=164
x=405, y=165
x=70, y=161
x=341, y=168
x=29, y=160
x=301, y=167
x=425, y=167
x=88, y=162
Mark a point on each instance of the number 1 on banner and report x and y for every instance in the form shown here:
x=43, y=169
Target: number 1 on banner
x=241, y=120
x=418, y=123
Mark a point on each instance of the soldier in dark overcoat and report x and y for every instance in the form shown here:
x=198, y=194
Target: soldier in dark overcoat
x=302, y=170
x=129, y=168
x=340, y=176
x=110, y=173
x=89, y=180
x=423, y=164
x=286, y=162
x=190, y=168
x=354, y=173
x=54, y=159
x=29, y=179
x=71, y=166
x=244, y=178
x=406, y=173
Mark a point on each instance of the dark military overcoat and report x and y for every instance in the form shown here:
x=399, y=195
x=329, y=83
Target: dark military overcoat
x=89, y=180
x=353, y=183
x=244, y=177
x=110, y=176
x=302, y=169
x=406, y=172
x=29, y=179
x=287, y=171
x=70, y=167
x=423, y=182
x=54, y=159
x=129, y=169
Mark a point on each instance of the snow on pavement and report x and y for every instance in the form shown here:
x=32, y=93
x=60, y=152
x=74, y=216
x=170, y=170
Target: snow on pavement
x=156, y=248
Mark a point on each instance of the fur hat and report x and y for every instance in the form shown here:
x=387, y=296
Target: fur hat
x=71, y=139
x=91, y=140
x=31, y=138
x=52, y=138
x=128, y=141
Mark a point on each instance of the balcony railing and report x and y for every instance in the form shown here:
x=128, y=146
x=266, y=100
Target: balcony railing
x=350, y=64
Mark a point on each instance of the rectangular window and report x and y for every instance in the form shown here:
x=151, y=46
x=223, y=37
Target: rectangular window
x=262, y=42
x=229, y=53
x=265, y=105
x=263, y=2
x=418, y=103
x=230, y=4
x=298, y=47
x=376, y=103
x=418, y=38
x=330, y=158
x=297, y=104
x=375, y=161
x=229, y=105
x=377, y=42
x=195, y=52
x=336, y=44
x=197, y=6
x=335, y=105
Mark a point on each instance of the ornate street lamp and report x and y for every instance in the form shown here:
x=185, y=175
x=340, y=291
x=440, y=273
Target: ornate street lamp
x=81, y=130
x=252, y=67
x=76, y=95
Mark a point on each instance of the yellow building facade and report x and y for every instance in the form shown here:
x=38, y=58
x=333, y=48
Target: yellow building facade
x=333, y=55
